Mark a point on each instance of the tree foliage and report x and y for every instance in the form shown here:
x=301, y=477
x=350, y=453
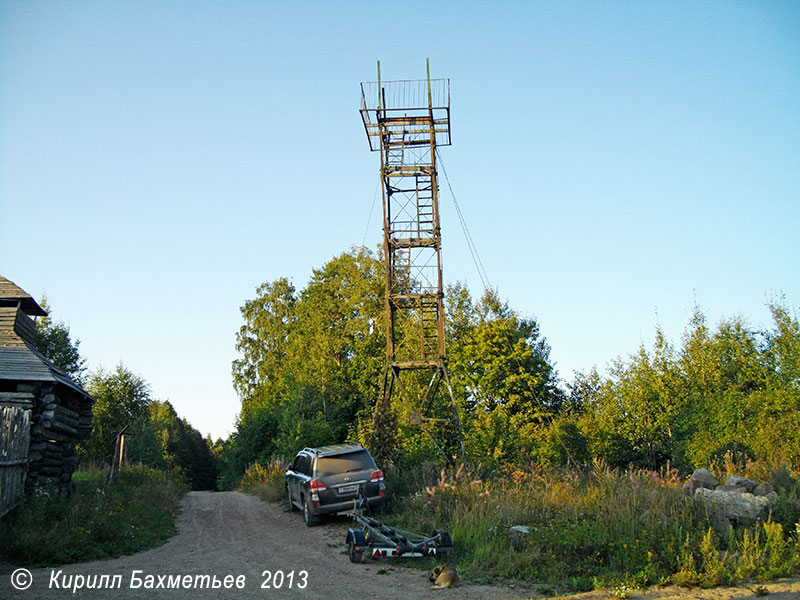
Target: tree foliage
x=121, y=398
x=311, y=363
x=157, y=437
x=502, y=360
x=52, y=338
x=180, y=446
x=262, y=341
x=501, y=370
x=309, y=360
x=733, y=389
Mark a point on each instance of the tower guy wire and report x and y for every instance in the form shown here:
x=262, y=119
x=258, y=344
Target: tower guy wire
x=371, y=210
x=473, y=250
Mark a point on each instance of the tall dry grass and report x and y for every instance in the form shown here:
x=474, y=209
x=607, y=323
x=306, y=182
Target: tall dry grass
x=595, y=528
x=266, y=481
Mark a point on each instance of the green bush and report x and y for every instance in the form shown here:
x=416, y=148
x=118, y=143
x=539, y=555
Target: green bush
x=783, y=482
x=266, y=481
x=733, y=452
x=563, y=445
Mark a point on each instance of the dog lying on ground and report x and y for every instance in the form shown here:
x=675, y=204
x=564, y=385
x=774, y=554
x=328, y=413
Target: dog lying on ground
x=444, y=576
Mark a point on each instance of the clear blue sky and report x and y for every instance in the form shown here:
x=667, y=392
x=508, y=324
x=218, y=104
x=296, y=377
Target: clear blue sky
x=617, y=163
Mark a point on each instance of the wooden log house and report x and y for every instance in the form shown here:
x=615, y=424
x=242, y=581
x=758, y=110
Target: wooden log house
x=43, y=411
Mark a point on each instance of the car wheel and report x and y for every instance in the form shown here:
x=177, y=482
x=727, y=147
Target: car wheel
x=379, y=508
x=292, y=507
x=309, y=518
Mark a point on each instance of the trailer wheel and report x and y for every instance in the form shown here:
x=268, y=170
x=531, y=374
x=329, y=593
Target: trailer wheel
x=443, y=542
x=355, y=538
x=356, y=556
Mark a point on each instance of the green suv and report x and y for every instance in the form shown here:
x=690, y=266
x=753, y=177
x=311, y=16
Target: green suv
x=326, y=481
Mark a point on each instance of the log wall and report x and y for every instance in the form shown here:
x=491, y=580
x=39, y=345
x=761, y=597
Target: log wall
x=58, y=421
x=40, y=425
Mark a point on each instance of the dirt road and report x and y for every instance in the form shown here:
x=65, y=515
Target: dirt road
x=271, y=554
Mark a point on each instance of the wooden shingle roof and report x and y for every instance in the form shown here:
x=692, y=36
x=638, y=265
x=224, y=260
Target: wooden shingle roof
x=19, y=359
x=26, y=364
x=12, y=295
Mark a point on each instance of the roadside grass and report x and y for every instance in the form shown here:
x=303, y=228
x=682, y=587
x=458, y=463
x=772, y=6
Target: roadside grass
x=595, y=529
x=137, y=512
x=266, y=481
x=599, y=529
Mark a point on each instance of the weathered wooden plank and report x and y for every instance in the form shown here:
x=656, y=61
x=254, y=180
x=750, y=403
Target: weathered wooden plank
x=12, y=483
x=14, y=447
x=15, y=427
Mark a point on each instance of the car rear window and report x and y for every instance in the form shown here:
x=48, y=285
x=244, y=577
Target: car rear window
x=344, y=463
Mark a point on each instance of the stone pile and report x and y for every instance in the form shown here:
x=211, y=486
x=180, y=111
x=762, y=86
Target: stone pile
x=738, y=499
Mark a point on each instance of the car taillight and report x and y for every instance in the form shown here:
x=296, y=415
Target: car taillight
x=316, y=485
x=377, y=475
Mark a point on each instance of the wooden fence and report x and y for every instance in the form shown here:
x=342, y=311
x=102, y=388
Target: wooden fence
x=15, y=426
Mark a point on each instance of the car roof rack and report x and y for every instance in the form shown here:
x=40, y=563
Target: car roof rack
x=335, y=448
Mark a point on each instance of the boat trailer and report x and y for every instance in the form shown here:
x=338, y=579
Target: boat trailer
x=376, y=539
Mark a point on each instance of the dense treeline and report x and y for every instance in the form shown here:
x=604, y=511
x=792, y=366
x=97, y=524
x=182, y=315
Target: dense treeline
x=157, y=437
x=733, y=389
x=311, y=362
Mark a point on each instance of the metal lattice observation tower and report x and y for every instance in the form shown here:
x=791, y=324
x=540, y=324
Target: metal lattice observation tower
x=406, y=121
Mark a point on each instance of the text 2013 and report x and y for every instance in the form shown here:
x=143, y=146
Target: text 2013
x=278, y=579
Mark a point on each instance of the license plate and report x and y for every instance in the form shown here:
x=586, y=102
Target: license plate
x=346, y=489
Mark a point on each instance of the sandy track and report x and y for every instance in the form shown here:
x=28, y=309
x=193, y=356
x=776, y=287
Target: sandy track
x=229, y=533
